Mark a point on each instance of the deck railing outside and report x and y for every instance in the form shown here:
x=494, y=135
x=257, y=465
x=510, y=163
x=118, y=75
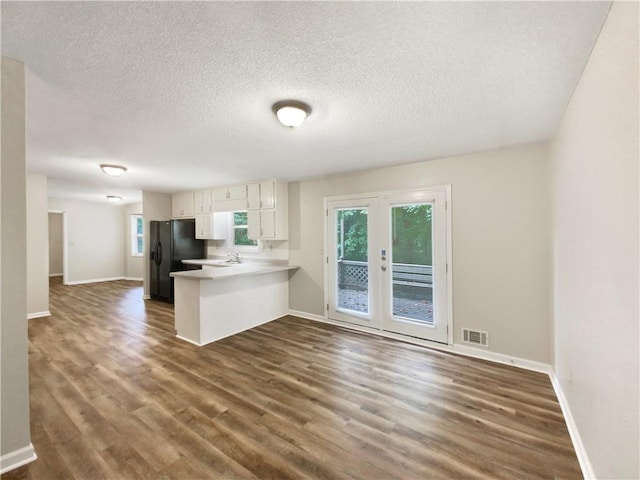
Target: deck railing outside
x=353, y=275
x=412, y=289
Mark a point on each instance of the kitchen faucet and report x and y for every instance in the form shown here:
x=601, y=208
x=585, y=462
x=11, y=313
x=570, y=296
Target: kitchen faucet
x=233, y=257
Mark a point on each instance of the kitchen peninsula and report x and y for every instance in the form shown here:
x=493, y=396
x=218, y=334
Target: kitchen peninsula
x=224, y=299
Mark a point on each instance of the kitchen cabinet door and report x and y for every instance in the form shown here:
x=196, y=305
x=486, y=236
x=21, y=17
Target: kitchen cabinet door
x=203, y=226
x=187, y=204
x=253, y=224
x=230, y=199
x=176, y=205
x=238, y=192
x=262, y=225
x=202, y=201
x=267, y=195
x=253, y=196
x=211, y=226
x=268, y=224
x=182, y=205
x=219, y=194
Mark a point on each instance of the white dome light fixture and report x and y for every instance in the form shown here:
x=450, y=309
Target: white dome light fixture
x=291, y=113
x=113, y=170
x=113, y=198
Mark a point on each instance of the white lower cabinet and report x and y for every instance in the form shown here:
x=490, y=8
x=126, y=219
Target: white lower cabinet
x=211, y=226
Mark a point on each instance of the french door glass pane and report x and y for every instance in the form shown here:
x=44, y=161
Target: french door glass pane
x=352, y=269
x=412, y=262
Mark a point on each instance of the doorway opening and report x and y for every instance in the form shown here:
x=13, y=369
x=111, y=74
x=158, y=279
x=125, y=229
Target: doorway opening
x=58, y=245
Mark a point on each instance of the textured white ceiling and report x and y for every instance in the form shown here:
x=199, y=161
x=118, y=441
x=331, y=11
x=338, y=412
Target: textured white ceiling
x=181, y=92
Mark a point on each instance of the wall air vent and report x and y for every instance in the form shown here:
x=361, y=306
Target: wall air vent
x=475, y=337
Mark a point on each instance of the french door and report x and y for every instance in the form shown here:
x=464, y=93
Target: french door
x=387, y=262
x=353, y=282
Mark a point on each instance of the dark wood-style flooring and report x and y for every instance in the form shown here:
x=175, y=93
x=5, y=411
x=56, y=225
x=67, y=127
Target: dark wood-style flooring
x=115, y=395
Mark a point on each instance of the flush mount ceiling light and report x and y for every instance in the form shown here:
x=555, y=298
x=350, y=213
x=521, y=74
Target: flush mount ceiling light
x=114, y=198
x=291, y=113
x=113, y=170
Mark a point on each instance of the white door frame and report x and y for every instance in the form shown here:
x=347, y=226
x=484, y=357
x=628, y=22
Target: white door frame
x=449, y=267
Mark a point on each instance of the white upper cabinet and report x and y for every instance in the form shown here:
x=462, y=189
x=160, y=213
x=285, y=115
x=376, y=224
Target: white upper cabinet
x=268, y=224
x=269, y=221
x=238, y=192
x=230, y=199
x=182, y=205
x=211, y=226
x=266, y=202
x=268, y=194
x=176, y=205
x=261, y=195
x=202, y=201
x=235, y=192
x=253, y=224
x=253, y=196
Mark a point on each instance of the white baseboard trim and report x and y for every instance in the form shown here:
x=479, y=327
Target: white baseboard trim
x=146, y=297
x=519, y=362
x=191, y=341
x=455, y=348
x=310, y=316
x=56, y=274
x=17, y=458
x=45, y=313
x=94, y=280
x=135, y=279
x=576, y=439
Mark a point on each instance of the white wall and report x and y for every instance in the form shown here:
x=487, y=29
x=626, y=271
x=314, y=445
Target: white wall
x=55, y=244
x=94, y=240
x=15, y=438
x=595, y=210
x=156, y=206
x=501, y=241
x=37, y=246
x=133, y=266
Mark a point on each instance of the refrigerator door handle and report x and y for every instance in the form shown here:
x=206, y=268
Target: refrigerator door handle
x=159, y=253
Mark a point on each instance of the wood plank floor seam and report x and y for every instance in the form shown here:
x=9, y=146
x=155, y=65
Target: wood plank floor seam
x=115, y=395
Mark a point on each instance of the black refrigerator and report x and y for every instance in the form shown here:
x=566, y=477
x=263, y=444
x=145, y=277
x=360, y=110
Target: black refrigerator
x=171, y=242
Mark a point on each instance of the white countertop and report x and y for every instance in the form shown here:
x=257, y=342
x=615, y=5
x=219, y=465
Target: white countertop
x=235, y=270
x=208, y=261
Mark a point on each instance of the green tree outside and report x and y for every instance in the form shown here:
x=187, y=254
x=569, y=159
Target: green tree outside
x=411, y=234
x=411, y=227
x=352, y=235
